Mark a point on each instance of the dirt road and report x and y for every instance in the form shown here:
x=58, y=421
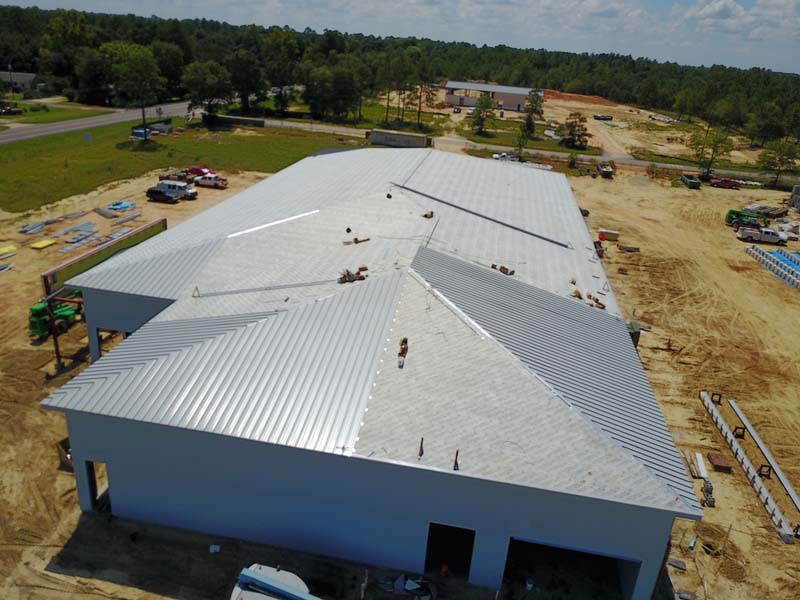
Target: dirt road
x=733, y=328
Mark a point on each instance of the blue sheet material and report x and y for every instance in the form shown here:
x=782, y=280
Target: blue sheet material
x=253, y=579
x=121, y=205
x=792, y=264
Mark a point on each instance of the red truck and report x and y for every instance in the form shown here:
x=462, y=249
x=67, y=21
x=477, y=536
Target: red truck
x=728, y=184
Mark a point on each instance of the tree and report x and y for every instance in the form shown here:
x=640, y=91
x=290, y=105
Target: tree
x=319, y=91
x=533, y=104
x=688, y=101
x=529, y=127
x=135, y=75
x=281, y=55
x=66, y=33
x=707, y=148
x=94, y=77
x=778, y=158
x=765, y=123
x=483, y=111
x=208, y=85
x=575, y=134
x=247, y=76
x=169, y=57
x=521, y=140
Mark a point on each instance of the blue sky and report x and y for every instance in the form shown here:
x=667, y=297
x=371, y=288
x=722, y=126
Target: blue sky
x=742, y=33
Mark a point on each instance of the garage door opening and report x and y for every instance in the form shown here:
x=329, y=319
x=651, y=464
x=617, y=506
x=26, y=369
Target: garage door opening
x=450, y=546
x=566, y=573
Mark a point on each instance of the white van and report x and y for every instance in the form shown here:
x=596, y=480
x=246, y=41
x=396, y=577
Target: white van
x=180, y=189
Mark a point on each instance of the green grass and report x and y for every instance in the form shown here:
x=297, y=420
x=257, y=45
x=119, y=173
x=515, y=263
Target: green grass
x=687, y=161
x=3, y=127
x=53, y=113
x=43, y=170
x=373, y=114
x=506, y=138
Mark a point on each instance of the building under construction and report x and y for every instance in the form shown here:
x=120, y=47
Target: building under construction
x=402, y=357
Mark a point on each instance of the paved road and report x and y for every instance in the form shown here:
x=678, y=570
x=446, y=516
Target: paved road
x=451, y=142
x=27, y=132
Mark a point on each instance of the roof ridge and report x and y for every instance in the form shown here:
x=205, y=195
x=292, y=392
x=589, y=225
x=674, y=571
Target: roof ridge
x=567, y=310
x=621, y=460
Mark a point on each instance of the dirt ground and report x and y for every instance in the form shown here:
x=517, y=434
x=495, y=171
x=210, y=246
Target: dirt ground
x=732, y=328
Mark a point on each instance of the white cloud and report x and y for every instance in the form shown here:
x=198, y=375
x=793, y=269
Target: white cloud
x=764, y=20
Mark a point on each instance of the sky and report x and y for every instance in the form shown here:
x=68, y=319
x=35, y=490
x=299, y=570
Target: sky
x=740, y=33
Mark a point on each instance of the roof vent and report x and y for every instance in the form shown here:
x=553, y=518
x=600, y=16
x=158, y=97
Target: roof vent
x=421, y=449
x=455, y=462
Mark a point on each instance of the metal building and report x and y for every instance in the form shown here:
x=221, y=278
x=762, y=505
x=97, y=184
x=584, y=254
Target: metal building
x=453, y=404
x=467, y=93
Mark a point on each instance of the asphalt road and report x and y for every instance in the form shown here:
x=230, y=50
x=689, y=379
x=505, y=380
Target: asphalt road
x=179, y=109
x=27, y=132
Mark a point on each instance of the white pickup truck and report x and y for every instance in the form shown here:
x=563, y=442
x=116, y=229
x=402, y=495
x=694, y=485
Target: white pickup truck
x=211, y=180
x=764, y=234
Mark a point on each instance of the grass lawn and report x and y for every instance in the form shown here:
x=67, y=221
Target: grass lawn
x=506, y=138
x=43, y=170
x=690, y=162
x=56, y=113
x=3, y=127
x=372, y=113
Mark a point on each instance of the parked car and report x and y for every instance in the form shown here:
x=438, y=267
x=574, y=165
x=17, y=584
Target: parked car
x=471, y=110
x=156, y=195
x=9, y=110
x=762, y=234
x=209, y=180
x=197, y=171
x=182, y=175
x=691, y=181
x=603, y=118
x=456, y=109
x=180, y=189
x=605, y=170
x=728, y=184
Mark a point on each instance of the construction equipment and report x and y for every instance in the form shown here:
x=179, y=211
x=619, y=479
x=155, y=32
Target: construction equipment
x=64, y=313
x=745, y=218
x=605, y=170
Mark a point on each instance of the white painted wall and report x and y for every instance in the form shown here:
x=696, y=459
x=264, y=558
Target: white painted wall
x=360, y=509
x=117, y=312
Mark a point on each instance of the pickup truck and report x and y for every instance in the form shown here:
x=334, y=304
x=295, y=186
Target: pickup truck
x=156, y=195
x=213, y=181
x=728, y=184
x=177, y=188
x=764, y=234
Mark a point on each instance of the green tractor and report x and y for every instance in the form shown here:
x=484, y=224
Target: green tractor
x=65, y=314
x=744, y=218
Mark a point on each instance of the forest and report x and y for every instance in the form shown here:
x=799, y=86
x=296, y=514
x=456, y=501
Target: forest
x=129, y=60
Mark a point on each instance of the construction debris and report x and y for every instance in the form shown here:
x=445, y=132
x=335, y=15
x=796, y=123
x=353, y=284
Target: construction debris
x=428, y=215
x=104, y=212
x=622, y=248
x=41, y=244
x=401, y=356
x=355, y=240
x=348, y=276
x=678, y=564
x=32, y=228
x=7, y=255
x=708, y=495
x=6, y=267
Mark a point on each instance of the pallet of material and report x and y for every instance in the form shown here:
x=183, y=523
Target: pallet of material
x=720, y=462
x=104, y=212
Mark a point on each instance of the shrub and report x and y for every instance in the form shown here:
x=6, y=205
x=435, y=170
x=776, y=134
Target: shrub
x=572, y=161
x=652, y=171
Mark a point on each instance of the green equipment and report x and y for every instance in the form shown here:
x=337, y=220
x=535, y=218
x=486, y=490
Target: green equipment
x=64, y=313
x=744, y=218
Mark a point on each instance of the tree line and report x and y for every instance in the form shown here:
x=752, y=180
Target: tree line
x=90, y=57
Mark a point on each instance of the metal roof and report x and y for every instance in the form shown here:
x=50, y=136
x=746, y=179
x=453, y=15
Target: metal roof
x=299, y=377
x=585, y=354
x=462, y=391
x=484, y=211
x=487, y=87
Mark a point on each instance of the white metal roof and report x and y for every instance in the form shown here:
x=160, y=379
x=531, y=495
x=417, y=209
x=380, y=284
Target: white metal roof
x=262, y=343
x=487, y=87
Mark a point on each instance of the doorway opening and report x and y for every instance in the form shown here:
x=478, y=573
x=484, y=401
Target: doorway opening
x=568, y=573
x=451, y=547
x=97, y=477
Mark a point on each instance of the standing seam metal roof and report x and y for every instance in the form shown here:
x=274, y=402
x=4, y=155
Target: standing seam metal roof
x=299, y=377
x=585, y=354
x=487, y=87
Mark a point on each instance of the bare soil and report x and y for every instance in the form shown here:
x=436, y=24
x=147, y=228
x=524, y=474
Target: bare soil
x=719, y=322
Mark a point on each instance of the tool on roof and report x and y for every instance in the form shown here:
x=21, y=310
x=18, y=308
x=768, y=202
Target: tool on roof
x=428, y=215
x=455, y=462
x=503, y=269
x=401, y=356
x=421, y=448
x=347, y=276
x=355, y=240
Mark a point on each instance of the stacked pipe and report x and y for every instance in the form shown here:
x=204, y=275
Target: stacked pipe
x=778, y=268
x=751, y=472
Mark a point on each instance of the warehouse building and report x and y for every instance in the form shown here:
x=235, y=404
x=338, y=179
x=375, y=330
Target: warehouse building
x=467, y=93
x=451, y=402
